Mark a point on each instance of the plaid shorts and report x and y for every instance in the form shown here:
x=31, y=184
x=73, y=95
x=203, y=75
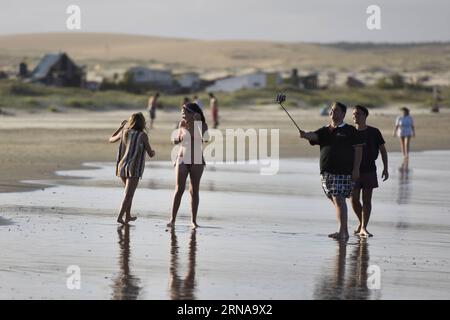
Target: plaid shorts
x=337, y=185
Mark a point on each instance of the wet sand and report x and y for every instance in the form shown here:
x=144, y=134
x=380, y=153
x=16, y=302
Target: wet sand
x=261, y=237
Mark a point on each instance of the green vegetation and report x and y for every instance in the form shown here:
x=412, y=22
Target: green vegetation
x=371, y=97
x=26, y=96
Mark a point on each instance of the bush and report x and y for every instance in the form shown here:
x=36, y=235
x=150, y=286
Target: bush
x=79, y=103
x=394, y=81
x=109, y=85
x=32, y=102
x=53, y=109
x=24, y=89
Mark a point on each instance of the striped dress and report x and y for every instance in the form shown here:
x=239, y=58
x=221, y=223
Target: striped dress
x=131, y=155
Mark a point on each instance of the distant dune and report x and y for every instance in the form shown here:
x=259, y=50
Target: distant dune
x=194, y=54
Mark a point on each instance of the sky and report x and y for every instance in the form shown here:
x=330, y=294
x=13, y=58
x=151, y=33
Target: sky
x=270, y=20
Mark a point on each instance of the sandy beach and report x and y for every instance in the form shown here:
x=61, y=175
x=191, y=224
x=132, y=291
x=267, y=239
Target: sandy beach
x=261, y=237
x=35, y=145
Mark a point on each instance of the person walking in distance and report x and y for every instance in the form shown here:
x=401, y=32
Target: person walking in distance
x=404, y=129
x=152, y=103
x=214, y=104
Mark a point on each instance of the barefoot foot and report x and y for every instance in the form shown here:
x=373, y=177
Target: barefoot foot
x=343, y=236
x=357, y=230
x=339, y=236
x=365, y=234
x=333, y=235
x=171, y=224
x=128, y=219
x=194, y=225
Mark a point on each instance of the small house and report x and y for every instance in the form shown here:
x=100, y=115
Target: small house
x=255, y=80
x=59, y=70
x=153, y=77
x=190, y=81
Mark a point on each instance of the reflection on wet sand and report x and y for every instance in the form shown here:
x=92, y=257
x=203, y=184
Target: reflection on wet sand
x=348, y=277
x=5, y=222
x=125, y=285
x=404, y=183
x=182, y=289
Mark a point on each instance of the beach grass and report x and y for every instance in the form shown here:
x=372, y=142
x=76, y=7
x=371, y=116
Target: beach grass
x=35, y=97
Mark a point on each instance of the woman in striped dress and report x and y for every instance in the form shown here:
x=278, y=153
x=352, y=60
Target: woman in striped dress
x=131, y=159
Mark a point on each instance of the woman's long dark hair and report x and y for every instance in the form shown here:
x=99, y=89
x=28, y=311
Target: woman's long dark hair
x=192, y=106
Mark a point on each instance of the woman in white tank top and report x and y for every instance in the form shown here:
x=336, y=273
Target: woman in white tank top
x=190, y=160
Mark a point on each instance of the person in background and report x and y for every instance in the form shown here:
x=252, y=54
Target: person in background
x=151, y=107
x=198, y=102
x=214, y=104
x=404, y=129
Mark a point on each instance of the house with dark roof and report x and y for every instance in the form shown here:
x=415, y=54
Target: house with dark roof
x=59, y=70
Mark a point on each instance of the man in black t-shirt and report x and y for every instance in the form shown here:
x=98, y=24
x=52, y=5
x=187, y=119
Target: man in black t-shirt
x=340, y=158
x=374, y=143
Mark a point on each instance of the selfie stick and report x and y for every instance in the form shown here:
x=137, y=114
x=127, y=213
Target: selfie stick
x=280, y=99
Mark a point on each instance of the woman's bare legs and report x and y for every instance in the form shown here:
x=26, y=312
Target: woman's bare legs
x=194, y=188
x=403, y=145
x=128, y=216
x=367, y=209
x=130, y=188
x=357, y=207
x=181, y=172
x=363, y=210
x=406, y=141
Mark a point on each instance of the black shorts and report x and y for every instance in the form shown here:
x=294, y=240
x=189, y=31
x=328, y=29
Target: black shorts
x=367, y=180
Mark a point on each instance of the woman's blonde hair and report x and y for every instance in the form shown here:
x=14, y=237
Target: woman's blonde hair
x=136, y=122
